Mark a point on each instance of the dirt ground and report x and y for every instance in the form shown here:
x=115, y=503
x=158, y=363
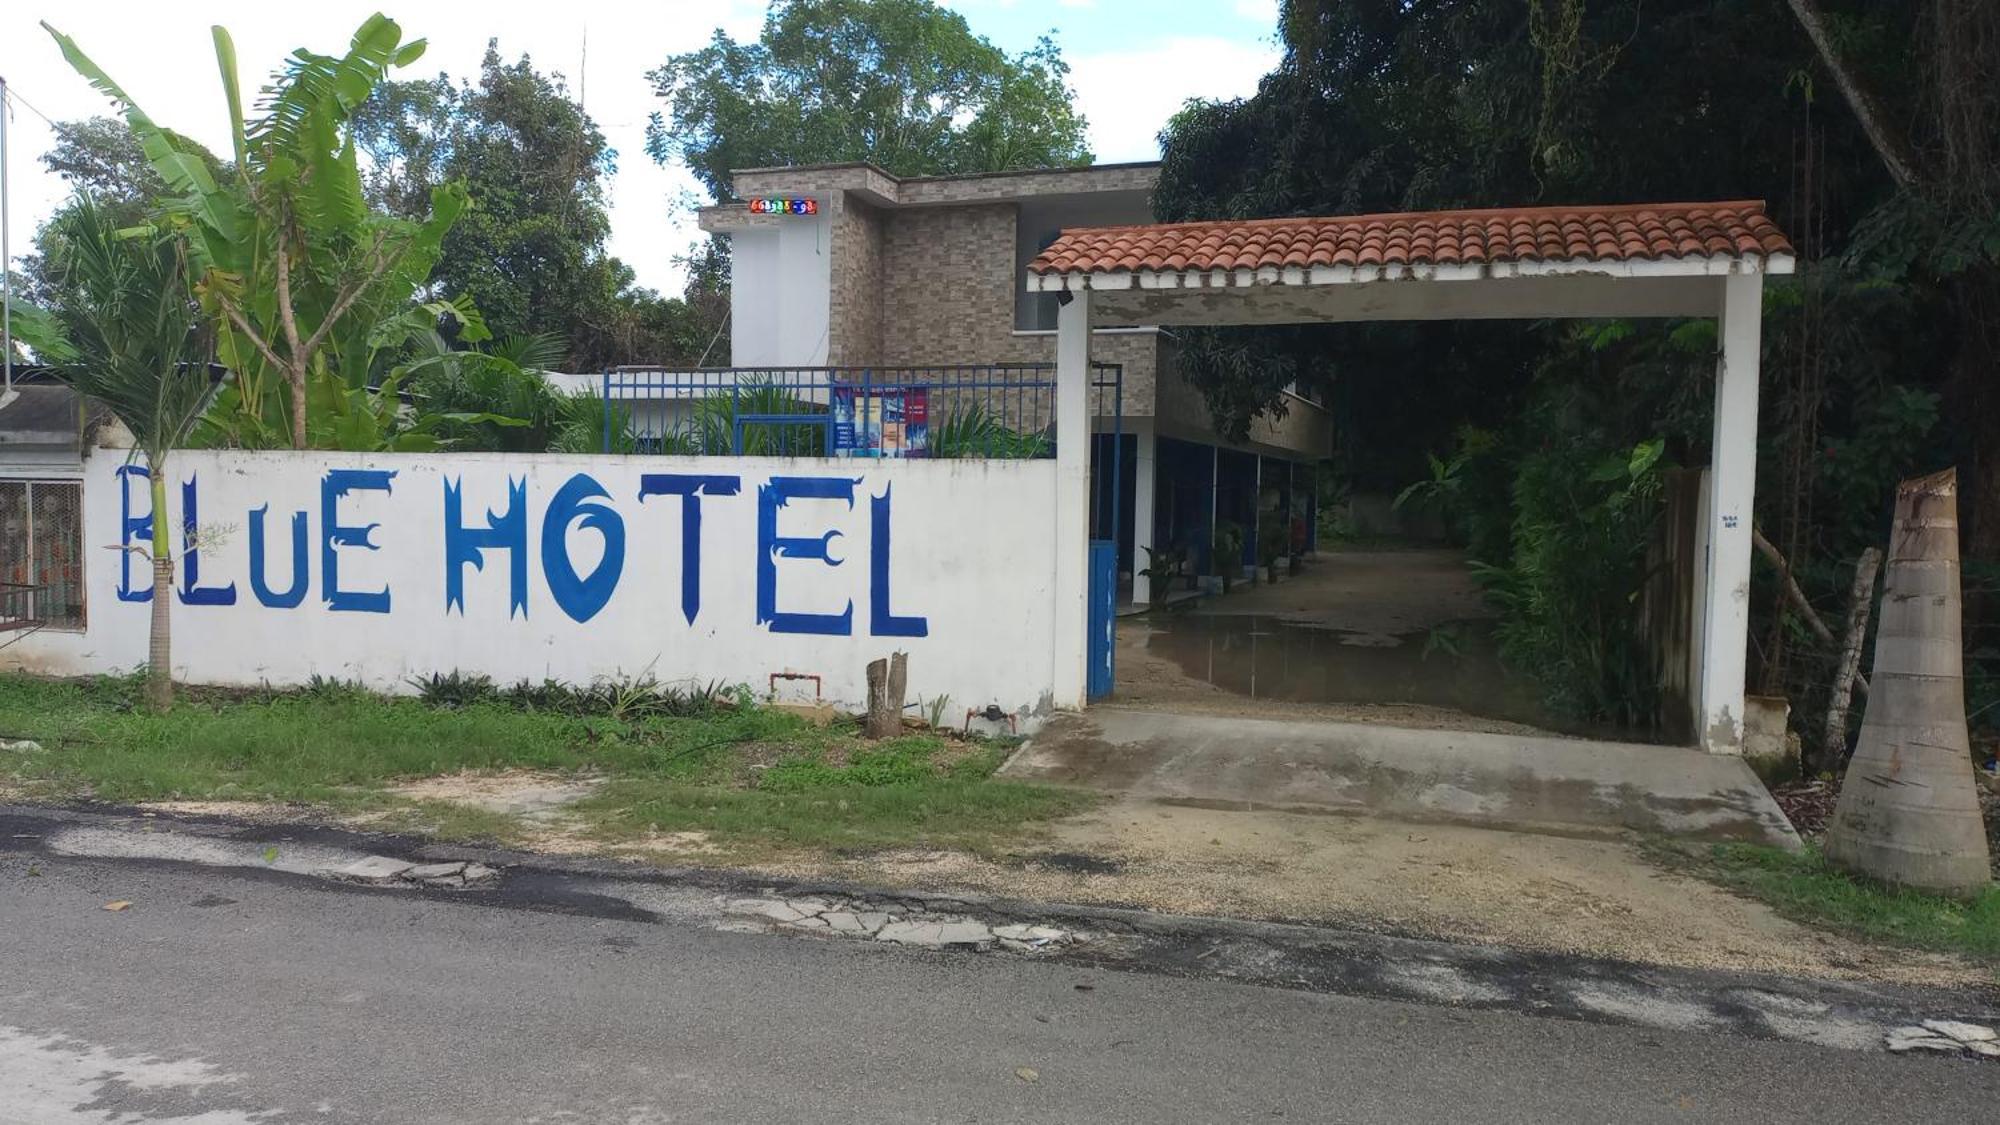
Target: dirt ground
x=1594, y=896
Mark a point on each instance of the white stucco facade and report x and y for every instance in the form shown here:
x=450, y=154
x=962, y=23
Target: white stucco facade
x=574, y=568
x=779, y=295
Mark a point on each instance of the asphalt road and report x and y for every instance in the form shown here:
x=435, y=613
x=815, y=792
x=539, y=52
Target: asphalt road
x=223, y=997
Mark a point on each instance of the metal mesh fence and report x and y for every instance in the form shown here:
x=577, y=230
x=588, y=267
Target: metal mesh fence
x=41, y=554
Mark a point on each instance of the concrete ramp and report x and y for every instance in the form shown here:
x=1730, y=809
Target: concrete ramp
x=1496, y=780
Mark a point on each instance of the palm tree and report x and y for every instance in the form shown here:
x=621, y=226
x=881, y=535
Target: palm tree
x=135, y=328
x=1909, y=807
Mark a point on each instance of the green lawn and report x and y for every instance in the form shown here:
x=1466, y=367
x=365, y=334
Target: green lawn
x=724, y=766
x=1805, y=888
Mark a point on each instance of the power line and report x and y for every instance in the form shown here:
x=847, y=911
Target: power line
x=14, y=96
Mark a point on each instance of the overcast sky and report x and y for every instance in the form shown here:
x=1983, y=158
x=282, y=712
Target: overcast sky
x=1133, y=63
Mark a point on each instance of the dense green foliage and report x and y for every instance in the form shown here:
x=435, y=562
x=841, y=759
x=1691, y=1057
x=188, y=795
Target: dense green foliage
x=1888, y=328
x=530, y=250
x=131, y=319
x=495, y=398
x=135, y=345
x=904, y=84
x=100, y=157
x=296, y=272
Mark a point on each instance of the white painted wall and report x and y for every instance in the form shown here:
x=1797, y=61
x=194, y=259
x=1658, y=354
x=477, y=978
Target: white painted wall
x=970, y=552
x=780, y=294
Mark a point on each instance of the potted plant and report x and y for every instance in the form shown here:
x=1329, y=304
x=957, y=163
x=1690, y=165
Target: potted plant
x=1227, y=552
x=1159, y=573
x=1271, y=537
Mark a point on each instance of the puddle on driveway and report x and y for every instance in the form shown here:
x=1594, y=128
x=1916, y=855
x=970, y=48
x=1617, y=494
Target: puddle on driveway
x=1456, y=665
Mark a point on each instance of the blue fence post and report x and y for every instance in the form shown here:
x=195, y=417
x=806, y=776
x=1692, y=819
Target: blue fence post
x=607, y=412
x=1103, y=623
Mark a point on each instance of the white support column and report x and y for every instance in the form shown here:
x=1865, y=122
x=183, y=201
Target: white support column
x=1725, y=609
x=1214, y=494
x=1256, y=516
x=1072, y=501
x=1142, y=515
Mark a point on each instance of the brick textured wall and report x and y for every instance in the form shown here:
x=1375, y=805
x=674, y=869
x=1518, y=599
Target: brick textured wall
x=855, y=319
x=936, y=284
x=948, y=297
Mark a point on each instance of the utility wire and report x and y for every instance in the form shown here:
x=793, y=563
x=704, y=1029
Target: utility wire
x=14, y=95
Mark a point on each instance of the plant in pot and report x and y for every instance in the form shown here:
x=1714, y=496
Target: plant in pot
x=1161, y=566
x=1270, y=545
x=1227, y=552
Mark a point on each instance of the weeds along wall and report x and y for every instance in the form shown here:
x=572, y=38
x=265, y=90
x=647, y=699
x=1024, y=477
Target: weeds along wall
x=379, y=568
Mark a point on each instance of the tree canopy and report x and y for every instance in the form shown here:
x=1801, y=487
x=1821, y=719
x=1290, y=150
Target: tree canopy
x=531, y=249
x=1872, y=142
x=902, y=83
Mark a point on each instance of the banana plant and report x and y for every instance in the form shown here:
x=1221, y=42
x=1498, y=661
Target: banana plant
x=290, y=263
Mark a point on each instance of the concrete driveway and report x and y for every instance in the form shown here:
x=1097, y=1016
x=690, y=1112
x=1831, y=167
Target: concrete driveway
x=1541, y=783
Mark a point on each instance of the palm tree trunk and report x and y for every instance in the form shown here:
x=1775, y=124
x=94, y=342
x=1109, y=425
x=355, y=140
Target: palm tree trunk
x=159, y=650
x=1909, y=806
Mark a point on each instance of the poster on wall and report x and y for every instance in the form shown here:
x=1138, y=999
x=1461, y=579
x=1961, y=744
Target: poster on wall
x=881, y=423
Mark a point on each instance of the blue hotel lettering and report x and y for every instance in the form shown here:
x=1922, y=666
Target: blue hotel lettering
x=502, y=536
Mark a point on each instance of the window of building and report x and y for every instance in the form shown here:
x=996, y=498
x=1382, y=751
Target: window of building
x=41, y=552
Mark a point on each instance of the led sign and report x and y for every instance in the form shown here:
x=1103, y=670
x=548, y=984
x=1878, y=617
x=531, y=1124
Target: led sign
x=784, y=207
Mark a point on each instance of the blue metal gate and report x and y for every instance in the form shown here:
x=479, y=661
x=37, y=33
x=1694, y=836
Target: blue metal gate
x=1103, y=637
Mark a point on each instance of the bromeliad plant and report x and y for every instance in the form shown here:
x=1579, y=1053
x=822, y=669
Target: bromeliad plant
x=137, y=346
x=287, y=259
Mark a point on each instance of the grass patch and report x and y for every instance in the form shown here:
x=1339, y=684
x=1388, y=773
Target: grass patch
x=1805, y=888
x=704, y=761
x=911, y=790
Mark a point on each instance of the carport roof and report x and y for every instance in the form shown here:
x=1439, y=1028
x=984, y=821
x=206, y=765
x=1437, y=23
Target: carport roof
x=1654, y=239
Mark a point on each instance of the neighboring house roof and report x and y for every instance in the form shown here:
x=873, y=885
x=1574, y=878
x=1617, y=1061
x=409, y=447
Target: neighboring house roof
x=1630, y=233
x=40, y=409
x=872, y=185
x=1079, y=169
x=39, y=421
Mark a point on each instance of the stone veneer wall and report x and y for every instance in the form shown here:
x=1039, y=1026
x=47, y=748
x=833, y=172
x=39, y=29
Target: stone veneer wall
x=916, y=285
x=949, y=298
x=855, y=318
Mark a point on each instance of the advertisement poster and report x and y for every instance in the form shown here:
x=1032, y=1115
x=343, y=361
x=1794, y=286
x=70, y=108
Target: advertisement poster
x=881, y=423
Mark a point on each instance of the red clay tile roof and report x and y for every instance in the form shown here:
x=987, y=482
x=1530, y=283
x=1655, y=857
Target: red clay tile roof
x=1650, y=232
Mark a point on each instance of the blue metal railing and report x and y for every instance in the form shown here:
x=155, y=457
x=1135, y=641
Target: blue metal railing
x=944, y=411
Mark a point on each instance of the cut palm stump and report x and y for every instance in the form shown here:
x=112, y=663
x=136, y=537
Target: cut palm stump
x=887, y=681
x=1909, y=807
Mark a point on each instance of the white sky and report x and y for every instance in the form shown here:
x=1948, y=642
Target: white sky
x=1128, y=78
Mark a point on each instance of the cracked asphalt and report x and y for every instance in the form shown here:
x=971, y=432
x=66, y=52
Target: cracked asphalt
x=228, y=994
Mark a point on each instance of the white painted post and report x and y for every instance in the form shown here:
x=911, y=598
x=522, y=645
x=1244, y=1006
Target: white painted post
x=1256, y=518
x=1072, y=501
x=1214, y=491
x=1142, y=515
x=1725, y=633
